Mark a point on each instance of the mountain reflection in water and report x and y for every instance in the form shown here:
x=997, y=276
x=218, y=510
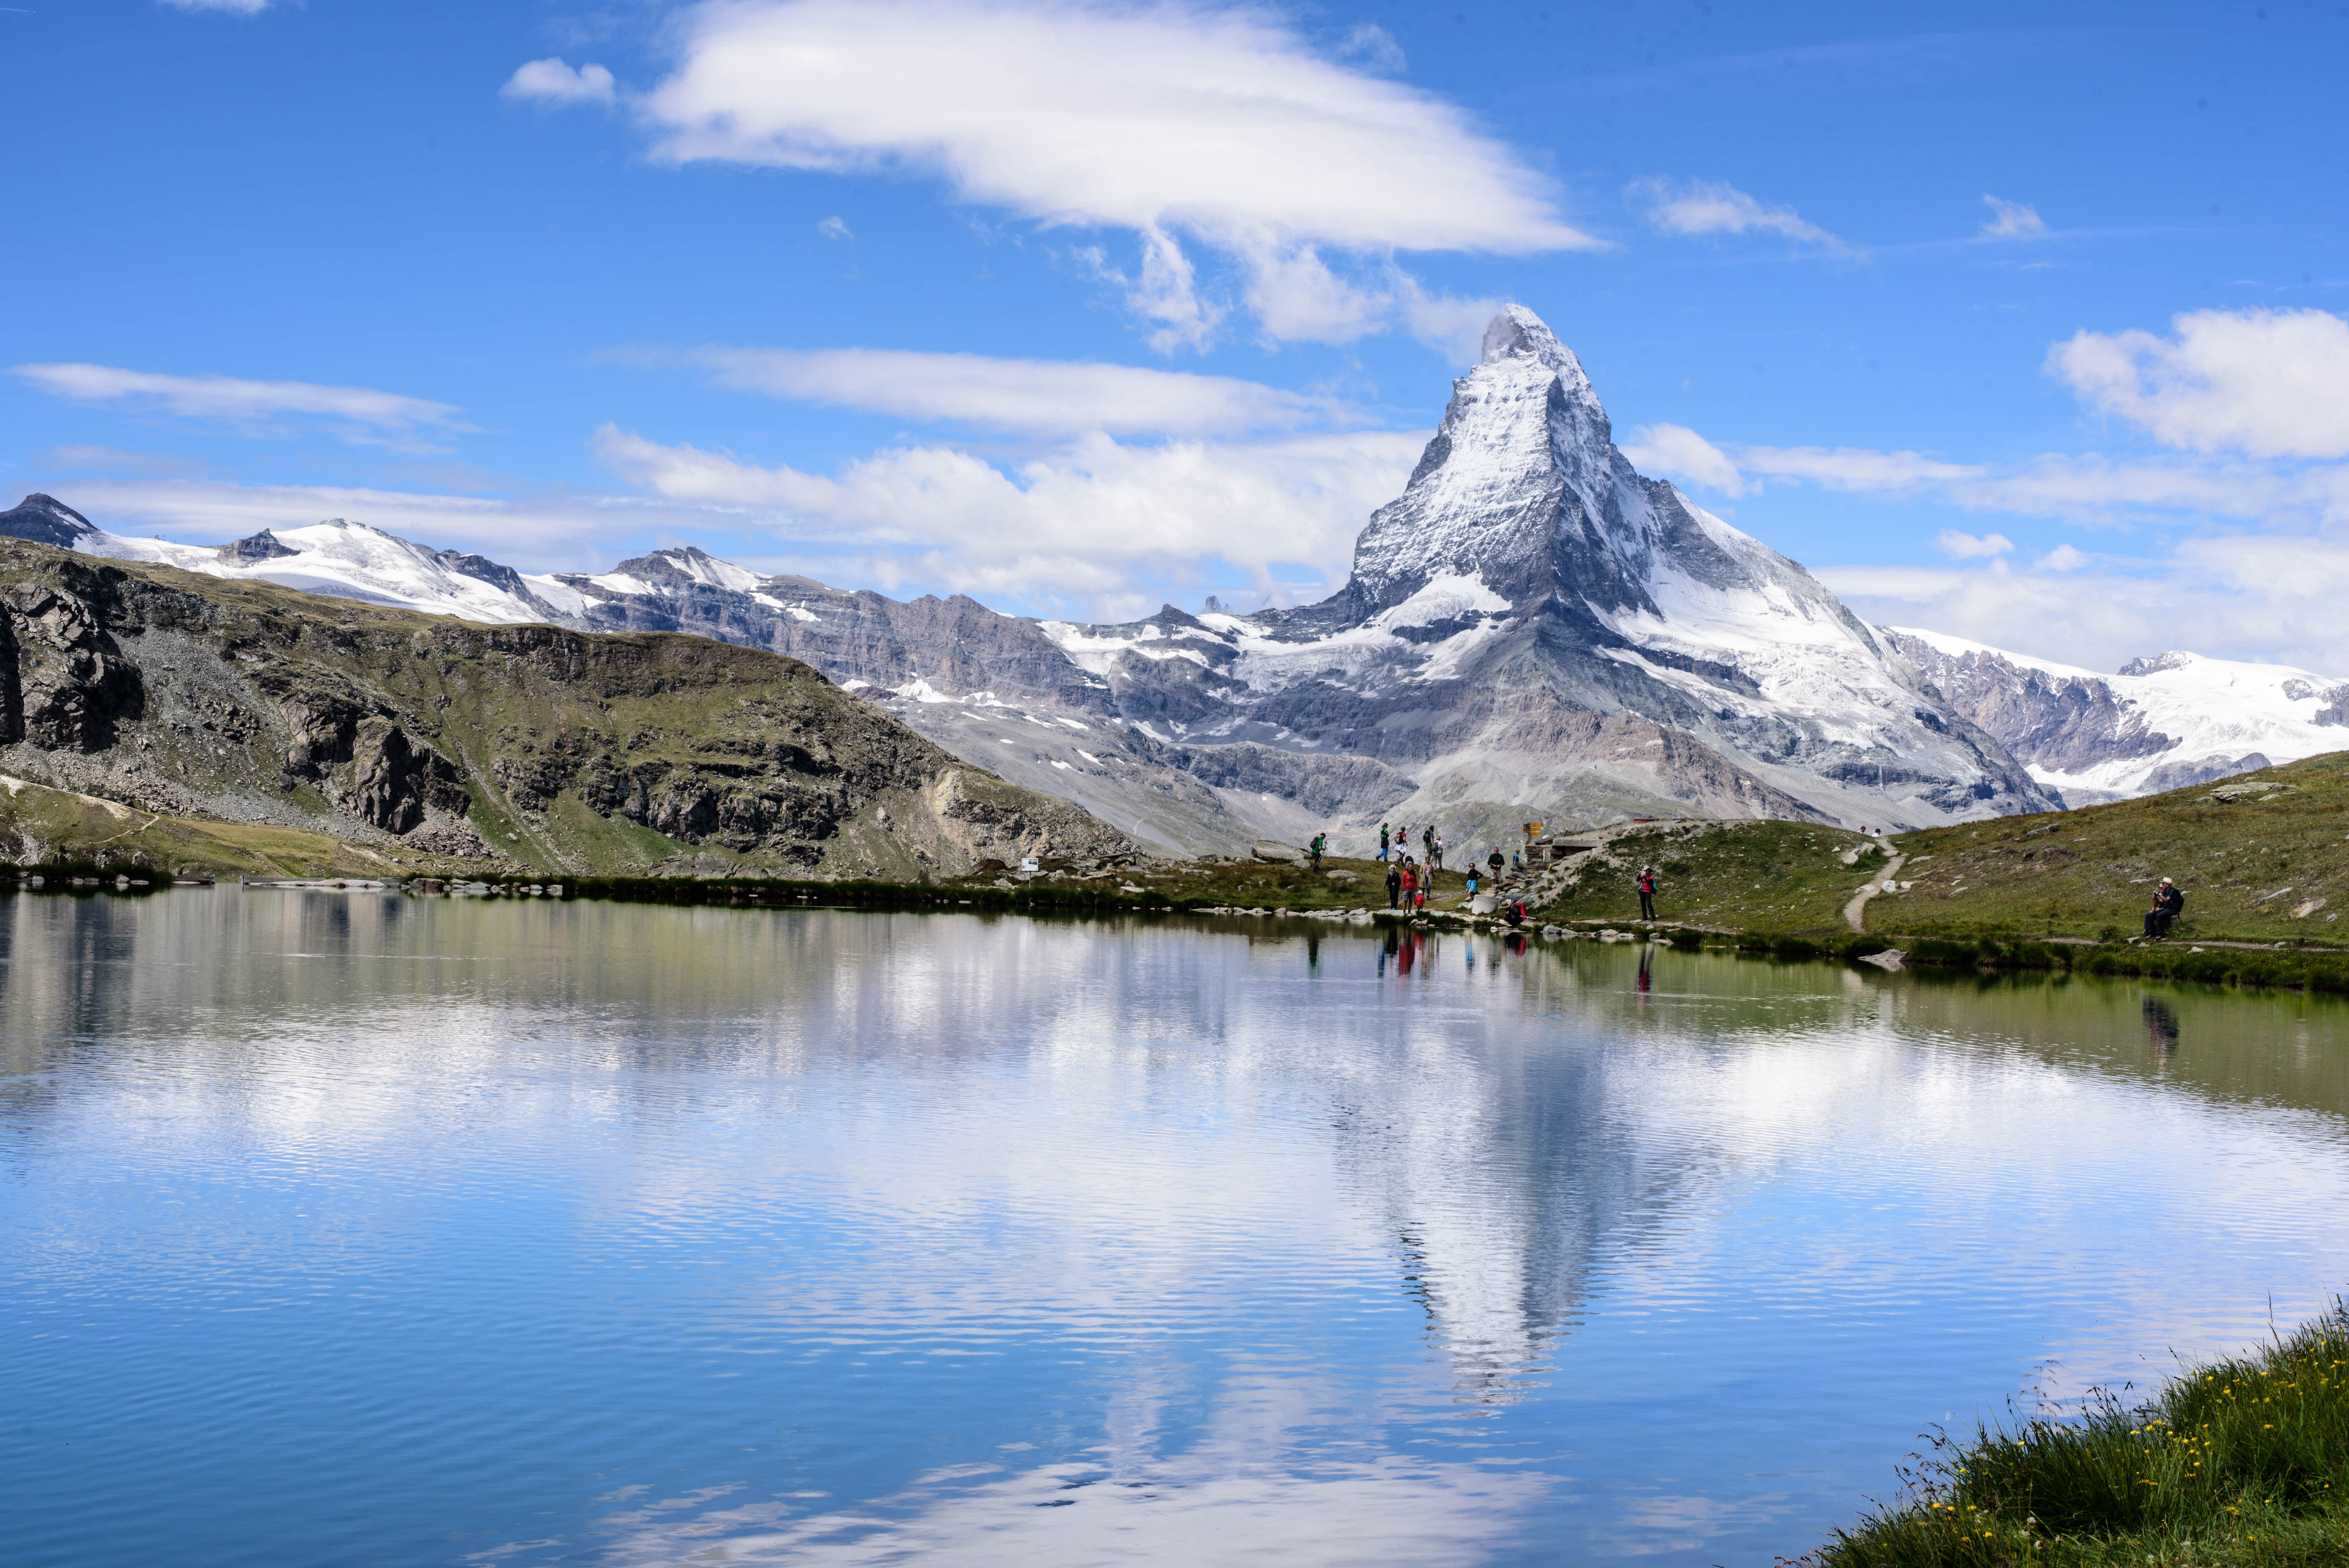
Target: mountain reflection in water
x=369, y=1229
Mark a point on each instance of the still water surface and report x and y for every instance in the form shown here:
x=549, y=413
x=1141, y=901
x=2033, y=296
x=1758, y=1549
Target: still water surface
x=358, y=1230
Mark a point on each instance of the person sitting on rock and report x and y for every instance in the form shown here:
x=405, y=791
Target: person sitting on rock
x=2168, y=903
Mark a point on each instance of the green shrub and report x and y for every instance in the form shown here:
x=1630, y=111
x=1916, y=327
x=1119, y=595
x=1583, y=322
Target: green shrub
x=2241, y=1461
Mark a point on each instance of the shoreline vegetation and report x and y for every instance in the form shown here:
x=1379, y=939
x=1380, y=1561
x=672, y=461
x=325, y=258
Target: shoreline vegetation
x=1281, y=892
x=2241, y=1461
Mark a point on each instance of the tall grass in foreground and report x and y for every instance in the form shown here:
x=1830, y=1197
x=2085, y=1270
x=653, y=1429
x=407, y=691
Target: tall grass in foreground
x=2243, y=1462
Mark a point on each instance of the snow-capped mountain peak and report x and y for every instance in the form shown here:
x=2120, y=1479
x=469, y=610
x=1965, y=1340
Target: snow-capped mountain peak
x=2163, y=722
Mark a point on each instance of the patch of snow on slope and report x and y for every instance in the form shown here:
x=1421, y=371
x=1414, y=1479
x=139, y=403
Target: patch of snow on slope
x=707, y=569
x=346, y=561
x=796, y=612
x=565, y=599
x=1444, y=598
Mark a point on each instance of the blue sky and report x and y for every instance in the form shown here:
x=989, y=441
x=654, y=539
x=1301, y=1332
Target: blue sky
x=2021, y=323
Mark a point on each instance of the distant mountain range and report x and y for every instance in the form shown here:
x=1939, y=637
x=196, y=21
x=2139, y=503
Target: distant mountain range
x=2162, y=723
x=482, y=746
x=1531, y=629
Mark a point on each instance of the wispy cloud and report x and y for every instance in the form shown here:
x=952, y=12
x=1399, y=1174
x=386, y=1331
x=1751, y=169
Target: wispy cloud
x=1024, y=397
x=368, y=415
x=1082, y=522
x=552, y=81
x=2012, y=221
x=233, y=7
x=1972, y=547
x=835, y=228
x=1677, y=452
x=2268, y=383
x=1711, y=207
x=1185, y=125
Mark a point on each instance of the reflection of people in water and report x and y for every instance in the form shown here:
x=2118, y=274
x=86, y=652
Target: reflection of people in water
x=1410, y=950
x=1646, y=956
x=2161, y=1025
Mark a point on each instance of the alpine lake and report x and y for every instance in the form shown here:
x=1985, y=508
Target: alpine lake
x=360, y=1228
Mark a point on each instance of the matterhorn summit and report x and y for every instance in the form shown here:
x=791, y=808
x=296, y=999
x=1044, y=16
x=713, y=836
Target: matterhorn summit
x=1532, y=628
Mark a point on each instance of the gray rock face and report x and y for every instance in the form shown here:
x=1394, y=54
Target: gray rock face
x=45, y=520
x=262, y=546
x=2060, y=722
x=862, y=640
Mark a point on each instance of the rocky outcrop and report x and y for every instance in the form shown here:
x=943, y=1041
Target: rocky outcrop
x=64, y=684
x=578, y=751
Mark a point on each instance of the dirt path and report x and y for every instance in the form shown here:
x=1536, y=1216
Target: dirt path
x=1858, y=908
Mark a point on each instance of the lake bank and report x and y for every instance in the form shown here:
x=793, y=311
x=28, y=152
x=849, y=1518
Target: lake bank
x=2243, y=1460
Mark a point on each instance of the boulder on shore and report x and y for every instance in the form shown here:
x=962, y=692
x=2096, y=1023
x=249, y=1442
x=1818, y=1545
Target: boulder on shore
x=1274, y=849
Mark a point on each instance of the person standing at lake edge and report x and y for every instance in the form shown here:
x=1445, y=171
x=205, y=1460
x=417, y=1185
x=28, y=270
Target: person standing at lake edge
x=1646, y=893
x=1395, y=885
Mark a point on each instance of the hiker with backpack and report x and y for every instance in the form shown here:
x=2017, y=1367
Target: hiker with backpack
x=1320, y=843
x=1384, y=840
x=1646, y=893
x=2168, y=903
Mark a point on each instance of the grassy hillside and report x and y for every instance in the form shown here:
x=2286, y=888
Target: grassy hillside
x=2263, y=857
x=50, y=826
x=1743, y=876
x=2243, y=1462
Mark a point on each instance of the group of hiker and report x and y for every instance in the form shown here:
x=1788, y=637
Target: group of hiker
x=1411, y=879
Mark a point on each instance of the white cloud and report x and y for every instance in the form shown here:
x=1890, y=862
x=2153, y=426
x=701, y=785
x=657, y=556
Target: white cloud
x=1446, y=322
x=2269, y=383
x=233, y=7
x=2012, y=221
x=1711, y=207
x=2232, y=596
x=2063, y=558
x=1082, y=521
x=835, y=228
x=1855, y=469
x=1970, y=547
x=1677, y=452
x=372, y=416
x=1027, y=397
x=551, y=81
x=1221, y=124
x=551, y=532
x=1374, y=47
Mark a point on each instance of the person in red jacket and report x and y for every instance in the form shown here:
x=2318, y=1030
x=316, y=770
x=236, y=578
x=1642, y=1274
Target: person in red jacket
x=1646, y=893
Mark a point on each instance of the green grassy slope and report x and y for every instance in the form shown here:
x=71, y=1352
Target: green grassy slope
x=2263, y=857
x=50, y=826
x=2241, y=1462
x=1743, y=876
